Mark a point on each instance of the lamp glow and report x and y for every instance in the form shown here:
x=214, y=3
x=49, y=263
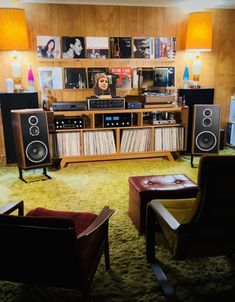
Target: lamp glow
x=14, y=36
x=199, y=38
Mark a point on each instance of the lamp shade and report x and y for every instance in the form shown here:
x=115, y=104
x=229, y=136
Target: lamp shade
x=199, y=32
x=13, y=29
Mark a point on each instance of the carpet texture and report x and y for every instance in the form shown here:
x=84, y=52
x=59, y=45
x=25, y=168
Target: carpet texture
x=90, y=186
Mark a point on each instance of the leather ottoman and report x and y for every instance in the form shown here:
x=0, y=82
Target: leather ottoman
x=143, y=189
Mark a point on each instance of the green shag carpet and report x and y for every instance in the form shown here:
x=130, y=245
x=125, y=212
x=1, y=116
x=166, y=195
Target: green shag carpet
x=90, y=186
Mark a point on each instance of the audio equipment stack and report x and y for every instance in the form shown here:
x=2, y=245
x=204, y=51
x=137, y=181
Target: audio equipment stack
x=69, y=122
x=31, y=137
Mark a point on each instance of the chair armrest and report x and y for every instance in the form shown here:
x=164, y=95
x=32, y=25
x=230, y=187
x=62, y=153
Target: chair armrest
x=100, y=219
x=164, y=215
x=11, y=206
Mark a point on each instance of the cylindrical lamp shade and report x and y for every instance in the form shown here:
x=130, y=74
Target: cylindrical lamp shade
x=13, y=29
x=199, y=32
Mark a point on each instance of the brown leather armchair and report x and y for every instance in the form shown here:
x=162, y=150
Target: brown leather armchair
x=207, y=229
x=66, y=246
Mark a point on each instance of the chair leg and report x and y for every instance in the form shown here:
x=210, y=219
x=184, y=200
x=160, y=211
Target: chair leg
x=106, y=255
x=151, y=258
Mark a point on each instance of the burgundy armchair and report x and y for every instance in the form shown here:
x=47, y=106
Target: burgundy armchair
x=67, y=246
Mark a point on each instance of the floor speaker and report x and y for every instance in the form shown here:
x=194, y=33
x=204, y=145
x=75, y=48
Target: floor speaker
x=8, y=102
x=206, y=129
x=192, y=97
x=31, y=137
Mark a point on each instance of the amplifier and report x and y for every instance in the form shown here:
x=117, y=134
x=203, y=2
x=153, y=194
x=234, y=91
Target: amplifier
x=117, y=120
x=99, y=104
x=69, y=122
x=69, y=106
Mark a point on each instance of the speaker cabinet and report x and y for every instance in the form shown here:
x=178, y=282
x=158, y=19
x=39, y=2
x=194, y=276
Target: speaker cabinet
x=206, y=129
x=192, y=97
x=8, y=102
x=31, y=136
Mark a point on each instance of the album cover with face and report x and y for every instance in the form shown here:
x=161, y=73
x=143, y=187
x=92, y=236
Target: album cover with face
x=73, y=47
x=143, y=48
x=92, y=71
x=48, y=47
x=75, y=78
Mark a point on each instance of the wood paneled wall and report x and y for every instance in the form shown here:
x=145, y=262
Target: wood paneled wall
x=218, y=67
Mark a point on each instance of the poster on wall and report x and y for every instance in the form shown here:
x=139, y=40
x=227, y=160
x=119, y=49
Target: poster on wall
x=97, y=47
x=73, y=47
x=143, y=48
x=165, y=48
x=50, y=77
x=48, y=47
x=75, y=78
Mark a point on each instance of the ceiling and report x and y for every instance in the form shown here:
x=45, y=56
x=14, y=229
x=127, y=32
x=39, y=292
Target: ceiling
x=186, y=4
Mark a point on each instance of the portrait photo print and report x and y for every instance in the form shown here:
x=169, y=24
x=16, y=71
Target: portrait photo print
x=73, y=47
x=48, y=47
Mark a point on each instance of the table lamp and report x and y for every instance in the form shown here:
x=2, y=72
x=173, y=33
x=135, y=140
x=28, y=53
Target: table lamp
x=14, y=36
x=199, y=38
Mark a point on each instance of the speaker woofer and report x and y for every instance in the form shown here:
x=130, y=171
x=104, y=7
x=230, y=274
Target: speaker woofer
x=36, y=151
x=206, y=141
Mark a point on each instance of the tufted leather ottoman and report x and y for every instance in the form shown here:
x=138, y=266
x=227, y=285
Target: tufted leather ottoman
x=143, y=189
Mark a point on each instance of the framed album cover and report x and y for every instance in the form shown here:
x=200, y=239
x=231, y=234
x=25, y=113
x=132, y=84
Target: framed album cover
x=97, y=47
x=120, y=47
x=75, y=78
x=50, y=77
x=143, y=48
x=73, y=47
x=48, y=47
x=92, y=71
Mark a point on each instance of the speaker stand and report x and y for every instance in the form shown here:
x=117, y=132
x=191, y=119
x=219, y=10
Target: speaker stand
x=44, y=173
x=192, y=165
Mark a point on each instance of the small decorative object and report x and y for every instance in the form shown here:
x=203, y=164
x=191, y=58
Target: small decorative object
x=186, y=77
x=30, y=78
x=9, y=85
x=16, y=71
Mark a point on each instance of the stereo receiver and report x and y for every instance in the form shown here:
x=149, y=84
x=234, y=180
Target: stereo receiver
x=117, y=120
x=69, y=122
x=95, y=103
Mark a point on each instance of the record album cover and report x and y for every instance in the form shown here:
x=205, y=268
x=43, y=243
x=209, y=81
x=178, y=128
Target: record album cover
x=97, y=47
x=73, y=47
x=120, y=47
x=50, y=77
x=48, y=47
x=123, y=76
x=75, y=78
x=143, y=48
x=165, y=48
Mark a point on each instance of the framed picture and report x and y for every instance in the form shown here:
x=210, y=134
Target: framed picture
x=73, y=47
x=50, y=77
x=97, y=47
x=48, y=47
x=75, y=78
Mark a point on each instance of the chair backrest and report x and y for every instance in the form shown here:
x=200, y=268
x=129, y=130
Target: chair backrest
x=38, y=250
x=211, y=231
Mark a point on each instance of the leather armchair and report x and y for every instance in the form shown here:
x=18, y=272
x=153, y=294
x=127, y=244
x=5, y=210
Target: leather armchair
x=66, y=246
x=205, y=227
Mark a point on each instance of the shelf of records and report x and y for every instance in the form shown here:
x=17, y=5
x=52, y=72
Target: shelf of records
x=121, y=77
x=76, y=47
x=117, y=142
